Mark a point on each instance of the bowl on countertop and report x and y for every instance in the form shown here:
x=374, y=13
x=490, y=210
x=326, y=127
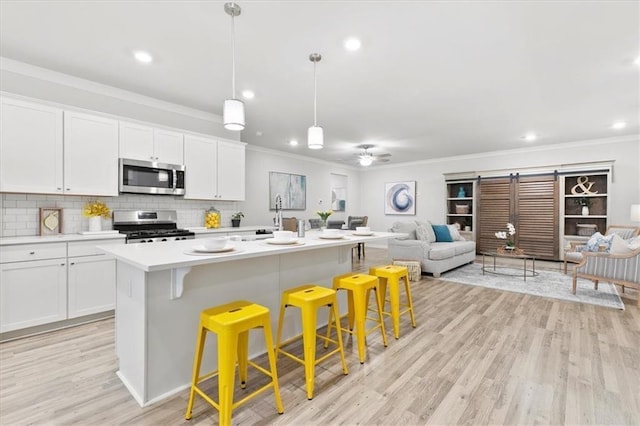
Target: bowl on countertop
x=215, y=243
x=282, y=236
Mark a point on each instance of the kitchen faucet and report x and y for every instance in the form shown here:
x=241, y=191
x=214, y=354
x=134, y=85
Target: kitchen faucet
x=278, y=219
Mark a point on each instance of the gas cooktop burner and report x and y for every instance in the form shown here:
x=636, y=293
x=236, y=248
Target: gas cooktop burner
x=151, y=233
x=142, y=226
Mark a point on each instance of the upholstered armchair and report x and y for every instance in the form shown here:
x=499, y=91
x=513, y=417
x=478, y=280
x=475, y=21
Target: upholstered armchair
x=290, y=224
x=620, y=269
x=574, y=253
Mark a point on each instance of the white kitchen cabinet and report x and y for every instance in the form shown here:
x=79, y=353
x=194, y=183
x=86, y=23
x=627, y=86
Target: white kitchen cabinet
x=45, y=150
x=91, y=285
x=32, y=293
x=215, y=169
x=145, y=143
x=31, y=147
x=90, y=155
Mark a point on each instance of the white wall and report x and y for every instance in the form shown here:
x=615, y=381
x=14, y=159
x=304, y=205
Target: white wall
x=261, y=161
x=430, y=184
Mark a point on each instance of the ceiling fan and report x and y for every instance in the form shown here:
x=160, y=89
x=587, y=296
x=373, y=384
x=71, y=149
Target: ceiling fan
x=366, y=158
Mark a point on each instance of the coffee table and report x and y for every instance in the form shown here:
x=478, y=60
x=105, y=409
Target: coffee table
x=525, y=272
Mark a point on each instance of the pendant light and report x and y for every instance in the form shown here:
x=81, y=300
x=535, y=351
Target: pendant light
x=233, y=110
x=315, y=135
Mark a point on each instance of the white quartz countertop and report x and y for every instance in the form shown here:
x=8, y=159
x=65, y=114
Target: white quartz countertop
x=180, y=254
x=62, y=238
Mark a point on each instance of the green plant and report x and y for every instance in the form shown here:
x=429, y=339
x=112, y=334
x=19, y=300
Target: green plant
x=583, y=201
x=237, y=216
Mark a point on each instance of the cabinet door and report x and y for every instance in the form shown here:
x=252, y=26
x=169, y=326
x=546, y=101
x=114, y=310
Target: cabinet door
x=136, y=142
x=92, y=285
x=30, y=147
x=231, y=170
x=200, y=157
x=32, y=293
x=168, y=146
x=90, y=155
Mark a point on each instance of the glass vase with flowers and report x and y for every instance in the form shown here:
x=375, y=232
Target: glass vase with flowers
x=507, y=235
x=324, y=215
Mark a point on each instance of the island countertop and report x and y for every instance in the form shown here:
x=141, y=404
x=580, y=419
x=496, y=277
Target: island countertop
x=179, y=254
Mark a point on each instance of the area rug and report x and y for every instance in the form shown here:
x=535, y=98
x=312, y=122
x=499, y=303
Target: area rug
x=547, y=284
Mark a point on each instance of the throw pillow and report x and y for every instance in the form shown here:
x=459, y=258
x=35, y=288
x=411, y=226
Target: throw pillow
x=424, y=232
x=597, y=240
x=442, y=233
x=455, y=233
x=405, y=228
x=634, y=243
x=619, y=245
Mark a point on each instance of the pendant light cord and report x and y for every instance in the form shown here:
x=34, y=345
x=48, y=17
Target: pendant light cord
x=233, y=57
x=315, y=94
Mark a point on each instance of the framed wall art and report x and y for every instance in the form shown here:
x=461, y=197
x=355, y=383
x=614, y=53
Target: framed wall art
x=50, y=221
x=400, y=198
x=338, y=199
x=291, y=188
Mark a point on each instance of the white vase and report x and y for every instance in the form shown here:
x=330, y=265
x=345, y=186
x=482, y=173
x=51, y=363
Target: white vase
x=585, y=210
x=95, y=224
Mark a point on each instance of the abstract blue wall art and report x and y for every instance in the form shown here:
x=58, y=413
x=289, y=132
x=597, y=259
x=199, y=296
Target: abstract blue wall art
x=400, y=198
x=292, y=188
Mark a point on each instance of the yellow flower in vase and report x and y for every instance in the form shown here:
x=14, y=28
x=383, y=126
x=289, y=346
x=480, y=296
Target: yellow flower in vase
x=96, y=208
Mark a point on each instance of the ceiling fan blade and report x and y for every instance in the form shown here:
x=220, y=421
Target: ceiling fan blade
x=383, y=155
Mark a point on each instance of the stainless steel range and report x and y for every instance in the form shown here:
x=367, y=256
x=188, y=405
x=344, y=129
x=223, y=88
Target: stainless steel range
x=147, y=226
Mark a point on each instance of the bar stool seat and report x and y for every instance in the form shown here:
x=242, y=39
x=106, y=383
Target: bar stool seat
x=358, y=287
x=231, y=323
x=390, y=276
x=310, y=297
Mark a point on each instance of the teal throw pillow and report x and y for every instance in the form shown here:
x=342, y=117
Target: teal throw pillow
x=442, y=233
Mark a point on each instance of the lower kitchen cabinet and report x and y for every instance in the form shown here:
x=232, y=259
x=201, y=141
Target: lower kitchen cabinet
x=91, y=285
x=32, y=293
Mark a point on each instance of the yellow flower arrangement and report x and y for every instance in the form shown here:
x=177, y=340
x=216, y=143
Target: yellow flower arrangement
x=96, y=208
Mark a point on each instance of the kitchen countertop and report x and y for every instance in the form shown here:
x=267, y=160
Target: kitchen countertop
x=62, y=238
x=170, y=255
x=231, y=230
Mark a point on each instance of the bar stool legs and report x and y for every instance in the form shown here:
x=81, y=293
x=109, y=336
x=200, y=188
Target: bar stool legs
x=231, y=323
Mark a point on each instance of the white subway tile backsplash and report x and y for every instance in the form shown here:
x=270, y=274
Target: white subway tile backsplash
x=20, y=212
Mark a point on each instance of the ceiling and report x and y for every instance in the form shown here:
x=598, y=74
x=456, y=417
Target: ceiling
x=432, y=79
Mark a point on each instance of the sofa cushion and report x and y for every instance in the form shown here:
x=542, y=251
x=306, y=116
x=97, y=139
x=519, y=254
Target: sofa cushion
x=462, y=247
x=455, y=233
x=599, y=242
x=440, y=251
x=424, y=231
x=405, y=228
x=442, y=234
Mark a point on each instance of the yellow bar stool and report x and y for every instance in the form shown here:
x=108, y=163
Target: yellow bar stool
x=309, y=298
x=358, y=287
x=390, y=275
x=232, y=322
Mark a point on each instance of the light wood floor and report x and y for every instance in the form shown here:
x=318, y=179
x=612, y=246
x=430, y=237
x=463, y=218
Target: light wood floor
x=477, y=356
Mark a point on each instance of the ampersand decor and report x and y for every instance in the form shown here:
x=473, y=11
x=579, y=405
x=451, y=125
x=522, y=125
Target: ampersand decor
x=584, y=186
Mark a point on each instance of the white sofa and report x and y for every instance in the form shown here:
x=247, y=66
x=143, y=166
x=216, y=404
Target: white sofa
x=420, y=245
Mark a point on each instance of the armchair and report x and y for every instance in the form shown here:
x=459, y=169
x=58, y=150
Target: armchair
x=620, y=269
x=574, y=254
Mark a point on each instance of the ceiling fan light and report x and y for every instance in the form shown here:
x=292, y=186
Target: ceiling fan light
x=315, y=137
x=366, y=161
x=233, y=114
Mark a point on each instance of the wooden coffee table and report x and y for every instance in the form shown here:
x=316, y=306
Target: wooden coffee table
x=525, y=272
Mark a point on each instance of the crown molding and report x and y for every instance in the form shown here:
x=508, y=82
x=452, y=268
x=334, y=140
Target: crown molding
x=44, y=74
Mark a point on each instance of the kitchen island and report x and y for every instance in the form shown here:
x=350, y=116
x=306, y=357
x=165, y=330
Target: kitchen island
x=161, y=289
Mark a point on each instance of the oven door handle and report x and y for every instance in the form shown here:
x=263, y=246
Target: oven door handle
x=175, y=180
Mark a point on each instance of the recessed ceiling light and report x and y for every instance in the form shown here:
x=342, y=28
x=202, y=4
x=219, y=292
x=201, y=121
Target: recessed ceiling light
x=352, y=44
x=529, y=137
x=248, y=94
x=618, y=125
x=293, y=142
x=258, y=133
x=142, y=56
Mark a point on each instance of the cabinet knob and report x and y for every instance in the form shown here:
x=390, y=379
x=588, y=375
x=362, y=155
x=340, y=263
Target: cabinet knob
x=72, y=263
x=32, y=252
x=59, y=189
x=68, y=189
x=62, y=264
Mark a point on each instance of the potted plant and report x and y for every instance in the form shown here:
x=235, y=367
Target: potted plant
x=95, y=211
x=235, y=219
x=585, y=203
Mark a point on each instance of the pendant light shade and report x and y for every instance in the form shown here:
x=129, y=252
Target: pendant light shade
x=315, y=135
x=233, y=114
x=233, y=110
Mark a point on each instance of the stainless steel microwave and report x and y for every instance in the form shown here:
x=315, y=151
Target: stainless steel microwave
x=147, y=177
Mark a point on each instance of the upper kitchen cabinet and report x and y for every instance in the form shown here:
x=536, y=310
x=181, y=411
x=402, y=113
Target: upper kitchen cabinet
x=45, y=150
x=145, y=143
x=215, y=169
x=90, y=155
x=31, y=141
